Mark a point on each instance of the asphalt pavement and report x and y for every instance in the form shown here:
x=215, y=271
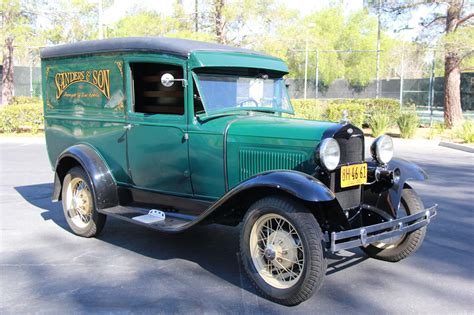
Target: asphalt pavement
x=44, y=268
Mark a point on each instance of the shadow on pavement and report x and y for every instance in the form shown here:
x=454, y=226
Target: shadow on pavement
x=214, y=247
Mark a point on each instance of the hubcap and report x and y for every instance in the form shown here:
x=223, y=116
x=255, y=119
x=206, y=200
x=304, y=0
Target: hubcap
x=79, y=202
x=270, y=253
x=277, y=251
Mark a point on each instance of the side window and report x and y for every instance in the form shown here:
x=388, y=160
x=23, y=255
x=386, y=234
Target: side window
x=152, y=97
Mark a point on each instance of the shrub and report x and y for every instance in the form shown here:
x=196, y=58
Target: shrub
x=408, y=122
x=466, y=131
x=436, y=130
x=25, y=100
x=26, y=114
x=390, y=107
x=360, y=111
x=309, y=109
x=379, y=122
x=356, y=112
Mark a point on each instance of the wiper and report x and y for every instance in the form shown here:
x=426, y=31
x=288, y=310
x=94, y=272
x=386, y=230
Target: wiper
x=263, y=110
x=206, y=118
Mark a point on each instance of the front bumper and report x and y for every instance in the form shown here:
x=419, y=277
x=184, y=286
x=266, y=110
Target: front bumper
x=369, y=234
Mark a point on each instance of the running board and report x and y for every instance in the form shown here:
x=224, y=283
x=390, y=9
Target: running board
x=150, y=218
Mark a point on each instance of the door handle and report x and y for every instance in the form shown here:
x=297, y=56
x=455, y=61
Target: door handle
x=128, y=126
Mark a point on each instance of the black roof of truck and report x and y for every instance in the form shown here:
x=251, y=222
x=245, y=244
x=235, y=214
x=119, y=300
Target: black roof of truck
x=163, y=45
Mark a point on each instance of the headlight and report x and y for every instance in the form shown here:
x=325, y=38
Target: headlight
x=329, y=154
x=382, y=149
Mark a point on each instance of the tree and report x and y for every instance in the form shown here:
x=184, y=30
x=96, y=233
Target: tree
x=141, y=23
x=219, y=22
x=456, y=40
x=235, y=21
x=334, y=36
x=454, y=55
x=16, y=26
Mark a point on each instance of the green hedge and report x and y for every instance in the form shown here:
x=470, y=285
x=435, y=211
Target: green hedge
x=387, y=106
x=309, y=109
x=360, y=111
x=24, y=115
x=355, y=112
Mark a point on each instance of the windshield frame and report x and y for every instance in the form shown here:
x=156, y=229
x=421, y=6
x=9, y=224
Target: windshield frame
x=238, y=110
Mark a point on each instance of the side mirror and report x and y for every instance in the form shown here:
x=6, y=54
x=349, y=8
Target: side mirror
x=168, y=80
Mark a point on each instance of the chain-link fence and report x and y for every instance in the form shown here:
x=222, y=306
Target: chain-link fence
x=411, y=75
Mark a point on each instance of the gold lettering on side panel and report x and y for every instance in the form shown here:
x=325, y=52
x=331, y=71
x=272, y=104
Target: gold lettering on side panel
x=98, y=78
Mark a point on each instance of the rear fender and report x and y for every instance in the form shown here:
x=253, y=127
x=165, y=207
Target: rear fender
x=103, y=183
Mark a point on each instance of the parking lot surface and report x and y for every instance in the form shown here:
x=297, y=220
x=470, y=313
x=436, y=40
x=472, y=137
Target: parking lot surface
x=44, y=268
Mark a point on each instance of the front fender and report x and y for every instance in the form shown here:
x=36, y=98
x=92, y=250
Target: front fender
x=387, y=196
x=299, y=185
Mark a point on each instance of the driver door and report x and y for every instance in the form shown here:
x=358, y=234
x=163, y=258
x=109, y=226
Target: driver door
x=157, y=148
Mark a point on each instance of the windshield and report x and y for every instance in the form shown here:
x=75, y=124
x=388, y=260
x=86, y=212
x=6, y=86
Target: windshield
x=220, y=93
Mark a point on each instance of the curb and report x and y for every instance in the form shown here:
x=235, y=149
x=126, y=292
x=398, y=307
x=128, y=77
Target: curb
x=456, y=146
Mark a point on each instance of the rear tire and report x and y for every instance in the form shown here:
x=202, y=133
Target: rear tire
x=78, y=201
x=283, y=250
x=408, y=243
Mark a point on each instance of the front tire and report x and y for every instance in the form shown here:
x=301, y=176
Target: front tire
x=79, y=204
x=283, y=250
x=407, y=244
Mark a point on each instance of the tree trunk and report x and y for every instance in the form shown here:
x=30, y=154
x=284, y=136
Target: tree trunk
x=452, y=90
x=452, y=73
x=219, y=21
x=7, y=72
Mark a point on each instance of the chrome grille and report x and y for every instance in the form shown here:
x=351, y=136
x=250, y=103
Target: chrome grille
x=352, y=151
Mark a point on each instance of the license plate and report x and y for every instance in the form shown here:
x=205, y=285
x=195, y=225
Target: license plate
x=353, y=175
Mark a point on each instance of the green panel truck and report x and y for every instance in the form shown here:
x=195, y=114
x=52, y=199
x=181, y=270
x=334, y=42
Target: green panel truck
x=173, y=133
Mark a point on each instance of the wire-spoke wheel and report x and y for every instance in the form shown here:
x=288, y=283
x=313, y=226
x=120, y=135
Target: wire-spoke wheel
x=393, y=242
x=79, y=204
x=277, y=251
x=282, y=250
x=396, y=249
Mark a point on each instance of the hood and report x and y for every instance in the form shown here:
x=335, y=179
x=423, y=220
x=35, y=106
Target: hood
x=280, y=128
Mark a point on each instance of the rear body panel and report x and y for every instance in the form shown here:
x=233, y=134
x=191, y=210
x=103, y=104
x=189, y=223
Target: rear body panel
x=84, y=102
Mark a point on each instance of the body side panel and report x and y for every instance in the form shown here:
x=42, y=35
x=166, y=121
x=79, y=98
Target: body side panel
x=84, y=102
